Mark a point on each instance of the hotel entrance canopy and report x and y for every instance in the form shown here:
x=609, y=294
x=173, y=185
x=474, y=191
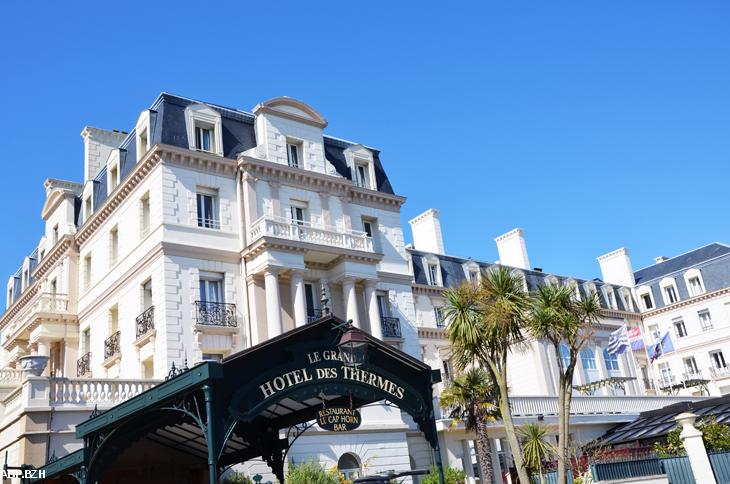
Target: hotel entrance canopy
x=202, y=420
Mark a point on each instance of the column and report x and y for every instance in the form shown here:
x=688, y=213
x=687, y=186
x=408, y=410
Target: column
x=273, y=303
x=601, y=367
x=496, y=467
x=371, y=297
x=696, y=451
x=466, y=464
x=348, y=293
x=300, y=304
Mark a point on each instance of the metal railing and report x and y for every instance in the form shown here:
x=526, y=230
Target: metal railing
x=692, y=375
x=209, y=223
x=210, y=313
x=313, y=315
x=146, y=322
x=718, y=373
x=530, y=406
x=390, y=326
x=83, y=365
x=111, y=345
x=284, y=228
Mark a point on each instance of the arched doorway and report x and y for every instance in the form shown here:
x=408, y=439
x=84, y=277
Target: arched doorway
x=349, y=466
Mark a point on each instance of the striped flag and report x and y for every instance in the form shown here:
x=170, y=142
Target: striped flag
x=635, y=338
x=618, y=341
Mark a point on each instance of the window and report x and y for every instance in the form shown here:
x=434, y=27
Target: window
x=705, y=320
x=55, y=234
x=666, y=374
x=370, y=227
x=433, y=270
x=690, y=366
x=147, y=294
x=679, y=329
x=204, y=137
x=144, y=215
x=627, y=299
x=438, y=315
x=610, y=299
x=143, y=144
x=113, y=177
x=86, y=341
x=670, y=294
x=718, y=360
x=294, y=154
x=647, y=301
x=695, y=286
x=211, y=287
x=310, y=299
x=362, y=174
x=87, y=272
x=588, y=359
x=54, y=286
x=565, y=355
x=446, y=364
x=148, y=368
x=383, y=305
x=113, y=246
x=207, y=201
x=298, y=213
x=113, y=320
x=26, y=279
x=87, y=208
x=43, y=254
x=611, y=361
x=474, y=276
x=349, y=466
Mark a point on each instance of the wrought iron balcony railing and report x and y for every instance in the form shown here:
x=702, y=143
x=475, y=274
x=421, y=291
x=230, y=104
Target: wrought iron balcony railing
x=313, y=315
x=722, y=372
x=391, y=327
x=83, y=365
x=210, y=313
x=111, y=345
x=146, y=322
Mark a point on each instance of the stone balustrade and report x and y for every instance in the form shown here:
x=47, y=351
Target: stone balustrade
x=270, y=226
x=95, y=391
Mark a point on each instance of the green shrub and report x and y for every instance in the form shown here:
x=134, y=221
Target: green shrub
x=716, y=437
x=451, y=476
x=236, y=477
x=310, y=473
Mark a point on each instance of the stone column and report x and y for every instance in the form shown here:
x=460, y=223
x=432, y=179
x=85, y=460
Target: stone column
x=494, y=455
x=371, y=297
x=350, y=298
x=298, y=299
x=273, y=303
x=692, y=440
x=466, y=462
x=601, y=367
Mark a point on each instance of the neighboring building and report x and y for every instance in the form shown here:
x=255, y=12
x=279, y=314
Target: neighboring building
x=612, y=388
x=203, y=231
x=685, y=300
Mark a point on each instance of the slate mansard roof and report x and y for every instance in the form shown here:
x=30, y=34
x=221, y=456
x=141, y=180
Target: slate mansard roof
x=712, y=260
x=453, y=274
x=167, y=126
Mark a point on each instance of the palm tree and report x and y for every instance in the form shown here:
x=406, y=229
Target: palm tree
x=484, y=323
x=470, y=399
x=560, y=317
x=534, y=447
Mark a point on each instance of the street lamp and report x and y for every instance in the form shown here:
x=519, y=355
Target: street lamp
x=353, y=346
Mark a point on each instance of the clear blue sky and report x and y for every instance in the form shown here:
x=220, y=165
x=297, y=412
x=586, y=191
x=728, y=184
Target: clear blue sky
x=592, y=125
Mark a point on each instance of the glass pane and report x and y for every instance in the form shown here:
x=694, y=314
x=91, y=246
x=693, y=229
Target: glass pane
x=203, y=291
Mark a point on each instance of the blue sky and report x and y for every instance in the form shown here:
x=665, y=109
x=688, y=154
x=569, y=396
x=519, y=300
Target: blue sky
x=592, y=125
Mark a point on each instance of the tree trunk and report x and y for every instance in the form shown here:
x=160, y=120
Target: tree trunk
x=509, y=426
x=484, y=453
x=561, y=429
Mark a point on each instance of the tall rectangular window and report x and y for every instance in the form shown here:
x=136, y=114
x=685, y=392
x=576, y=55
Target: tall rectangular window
x=679, y=329
x=310, y=299
x=362, y=175
x=695, y=286
x=113, y=246
x=718, y=360
x=204, y=138
x=87, y=272
x=298, y=214
x=383, y=305
x=671, y=294
x=690, y=366
x=147, y=294
x=293, y=154
x=438, y=315
x=648, y=303
x=86, y=341
x=114, y=177
x=114, y=319
x=55, y=234
x=433, y=274
x=207, y=204
x=705, y=320
x=54, y=286
x=144, y=214
x=211, y=287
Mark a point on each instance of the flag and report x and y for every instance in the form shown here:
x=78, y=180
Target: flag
x=637, y=342
x=661, y=347
x=618, y=341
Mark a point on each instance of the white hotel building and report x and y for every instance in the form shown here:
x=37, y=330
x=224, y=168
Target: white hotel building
x=206, y=230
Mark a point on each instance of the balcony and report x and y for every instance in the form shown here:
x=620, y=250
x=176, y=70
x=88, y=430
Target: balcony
x=208, y=313
x=146, y=322
x=692, y=375
x=111, y=347
x=390, y=326
x=719, y=373
x=283, y=228
x=83, y=365
x=38, y=309
x=313, y=315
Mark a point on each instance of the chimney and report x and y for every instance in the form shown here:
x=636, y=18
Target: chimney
x=660, y=259
x=98, y=144
x=512, y=249
x=426, y=229
x=616, y=267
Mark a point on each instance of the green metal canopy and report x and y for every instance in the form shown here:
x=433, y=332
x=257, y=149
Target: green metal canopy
x=204, y=419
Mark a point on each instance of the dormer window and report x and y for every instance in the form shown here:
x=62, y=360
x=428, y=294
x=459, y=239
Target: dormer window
x=204, y=138
x=695, y=284
x=362, y=174
x=432, y=271
x=142, y=130
x=113, y=177
x=646, y=298
x=87, y=208
x=610, y=298
x=294, y=154
x=204, y=129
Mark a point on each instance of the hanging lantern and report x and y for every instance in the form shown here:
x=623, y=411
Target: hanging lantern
x=353, y=347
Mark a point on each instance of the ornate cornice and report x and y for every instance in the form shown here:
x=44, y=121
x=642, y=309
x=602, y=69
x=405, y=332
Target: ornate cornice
x=686, y=302
x=20, y=304
x=618, y=314
x=318, y=182
x=427, y=290
x=431, y=333
x=65, y=245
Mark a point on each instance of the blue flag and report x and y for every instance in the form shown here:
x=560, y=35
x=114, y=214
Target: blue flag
x=661, y=346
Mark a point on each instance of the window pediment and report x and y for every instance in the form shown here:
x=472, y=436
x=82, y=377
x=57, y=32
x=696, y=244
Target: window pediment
x=205, y=129
x=293, y=109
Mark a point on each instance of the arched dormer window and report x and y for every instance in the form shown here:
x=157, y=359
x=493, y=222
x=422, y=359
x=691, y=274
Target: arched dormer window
x=205, y=130
x=473, y=272
x=521, y=276
x=552, y=280
x=695, y=284
x=433, y=270
x=610, y=296
x=646, y=298
x=669, y=290
x=362, y=166
x=142, y=134
x=573, y=285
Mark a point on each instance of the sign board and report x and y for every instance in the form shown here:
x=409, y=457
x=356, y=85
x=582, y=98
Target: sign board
x=339, y=419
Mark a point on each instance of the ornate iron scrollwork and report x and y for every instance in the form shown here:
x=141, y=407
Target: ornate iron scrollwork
x=391, y=327
x=146, y=322
x=210, y=313
x=111, y=345
x=83, y=365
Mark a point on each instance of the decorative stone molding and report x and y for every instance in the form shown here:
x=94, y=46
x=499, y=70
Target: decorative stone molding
x=277, y=107
x=686, y=302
